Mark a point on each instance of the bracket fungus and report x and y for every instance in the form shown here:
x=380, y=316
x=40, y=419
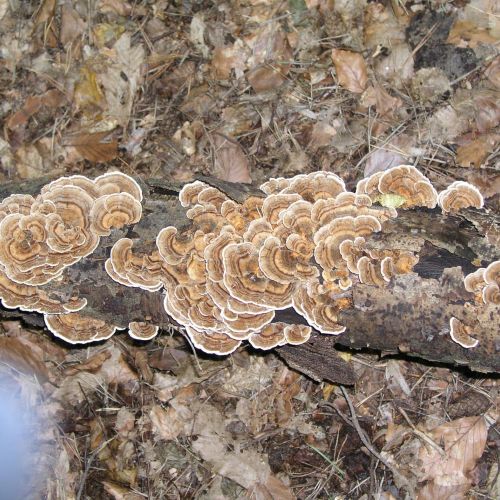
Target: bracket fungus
x=460, y=195
x=461, y=334
x=401, y=186
x=485, y=283
x=77, y=329
x=304, y=244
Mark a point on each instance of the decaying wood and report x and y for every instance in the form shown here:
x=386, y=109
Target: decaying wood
x=411, y=315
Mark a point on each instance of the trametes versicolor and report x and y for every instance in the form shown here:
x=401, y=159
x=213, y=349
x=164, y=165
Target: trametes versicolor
x=303, y=244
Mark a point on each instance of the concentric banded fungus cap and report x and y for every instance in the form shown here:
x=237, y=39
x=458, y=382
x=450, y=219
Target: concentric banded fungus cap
x=245, y=281
x=370, y=272
x=141, y=330
x=351, y=251
x=297, y=334
x=188, y=195
x=31, y=298
x=274, y=204
x=399, y=186
x=320, y=311
x=16, y=204
x=485, y=283
x=257, y=232
x=274, y=185
x=213, y=254
x=460, y=195
x=461, y=334
x=211, y=196
x=329, y=237
x=77, y=329
x=212, y=342
x=142, y=271
x=118, y=182
x=348, y=204
x=79, y=181
x=269, y=337
x=280, y=264
x=315, y=186
x=401, y=262
x=114, y=211
x=408, y=182
x=174, y=246
x=474, y=282
x=491, y=292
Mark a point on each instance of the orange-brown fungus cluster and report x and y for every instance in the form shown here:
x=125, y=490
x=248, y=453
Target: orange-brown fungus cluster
x=460, y=195
x=484, y=283
x=303, y=244
x=41, y=236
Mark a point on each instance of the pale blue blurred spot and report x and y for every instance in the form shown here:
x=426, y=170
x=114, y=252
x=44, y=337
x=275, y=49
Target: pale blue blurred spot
x=15, y=445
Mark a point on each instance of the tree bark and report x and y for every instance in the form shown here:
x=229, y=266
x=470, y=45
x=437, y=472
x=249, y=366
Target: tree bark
x=411, y=315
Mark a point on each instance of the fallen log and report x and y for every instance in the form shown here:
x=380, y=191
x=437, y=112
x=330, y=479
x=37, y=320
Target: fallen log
x=409, y=314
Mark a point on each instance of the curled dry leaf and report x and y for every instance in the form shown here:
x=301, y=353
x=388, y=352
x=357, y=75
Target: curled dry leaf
x=231, y=163
x=22, y=358
x=473, y=153
x=94, y=147
x=351, y=70
x=463, y=441
x=493, y=72
x=72, y=25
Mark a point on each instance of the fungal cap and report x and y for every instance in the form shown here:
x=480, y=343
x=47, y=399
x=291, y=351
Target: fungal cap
x=141, y=330
x=77, y=329
x=461, y=334
x=118, y=182
x=459, y=195
x=114, y=210
x=491, y=292
x=269, y=337
x=297, y=334
x=408, y=182
x=212, y=342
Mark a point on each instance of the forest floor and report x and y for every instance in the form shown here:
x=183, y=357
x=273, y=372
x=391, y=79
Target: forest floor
x=244, y=91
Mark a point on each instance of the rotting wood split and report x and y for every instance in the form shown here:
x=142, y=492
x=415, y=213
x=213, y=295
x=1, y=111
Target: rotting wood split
x=303, y=256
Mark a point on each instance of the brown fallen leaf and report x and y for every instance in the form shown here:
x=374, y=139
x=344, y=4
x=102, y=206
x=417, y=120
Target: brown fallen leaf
x=169, y=359
x=486, y=111
x=384, y=103
x=351, y=70
x=119, y=492
x=116, y=7
x=448, y=473
x=88, y=95
x=72, y=25
x=20, y=357
x=92, y=364
x=231, y=163
x=51, y=99
x=93, y=147
x=226, y=59
x=265, y=77
x=492, y=72
x=473, y=153
x=468, y=34
x=269, y=62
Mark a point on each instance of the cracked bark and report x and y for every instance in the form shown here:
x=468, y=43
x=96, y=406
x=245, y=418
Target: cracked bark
x=411, y=315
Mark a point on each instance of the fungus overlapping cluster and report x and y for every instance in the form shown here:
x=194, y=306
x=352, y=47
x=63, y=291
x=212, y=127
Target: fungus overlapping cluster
x=40, y=237
x=303, y=244
x=484, y=283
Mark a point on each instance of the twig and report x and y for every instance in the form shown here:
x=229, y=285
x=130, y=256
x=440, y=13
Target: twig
x=420, y=434
x=400, y=479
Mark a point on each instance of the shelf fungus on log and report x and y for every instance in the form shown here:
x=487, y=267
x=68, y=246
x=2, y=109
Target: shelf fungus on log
x=265, y=269
x=460, y=195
